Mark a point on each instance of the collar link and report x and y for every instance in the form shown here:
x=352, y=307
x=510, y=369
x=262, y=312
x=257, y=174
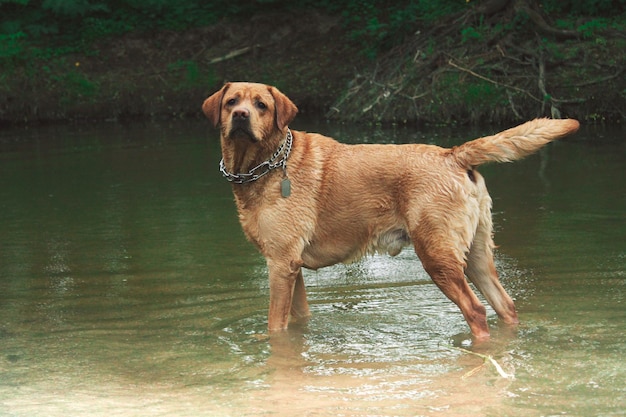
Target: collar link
x=264, y=167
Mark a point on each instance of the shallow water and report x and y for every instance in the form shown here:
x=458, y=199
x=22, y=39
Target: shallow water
x=128, y=289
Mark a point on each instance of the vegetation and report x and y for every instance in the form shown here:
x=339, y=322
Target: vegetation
x=500, y=60
x=439, y=61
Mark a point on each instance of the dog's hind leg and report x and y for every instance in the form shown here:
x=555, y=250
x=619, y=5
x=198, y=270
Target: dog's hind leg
x=482, y=272
x=446, y=270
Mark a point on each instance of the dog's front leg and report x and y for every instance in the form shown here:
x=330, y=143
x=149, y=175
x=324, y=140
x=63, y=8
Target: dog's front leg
x=284, y=277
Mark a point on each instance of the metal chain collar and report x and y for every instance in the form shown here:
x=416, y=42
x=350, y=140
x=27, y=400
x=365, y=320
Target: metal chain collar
x=264, y=167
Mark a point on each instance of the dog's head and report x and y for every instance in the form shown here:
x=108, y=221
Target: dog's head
x=249, y=111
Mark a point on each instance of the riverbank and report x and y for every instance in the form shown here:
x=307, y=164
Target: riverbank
x=473, y=67
x=168, y=74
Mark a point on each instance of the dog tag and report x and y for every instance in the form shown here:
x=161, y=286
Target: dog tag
x=285, y=187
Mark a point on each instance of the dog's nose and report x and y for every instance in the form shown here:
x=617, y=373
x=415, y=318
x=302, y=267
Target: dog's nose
x=241, y=113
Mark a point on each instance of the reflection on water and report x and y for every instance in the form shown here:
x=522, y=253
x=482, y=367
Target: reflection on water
x=127, y=288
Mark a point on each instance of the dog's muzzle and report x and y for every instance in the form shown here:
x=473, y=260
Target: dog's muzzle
x=240, y=127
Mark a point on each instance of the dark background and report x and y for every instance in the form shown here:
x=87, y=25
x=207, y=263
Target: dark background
x=442, y=61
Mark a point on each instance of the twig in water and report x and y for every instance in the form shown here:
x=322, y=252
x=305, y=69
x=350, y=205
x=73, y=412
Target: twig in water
x=486, y=358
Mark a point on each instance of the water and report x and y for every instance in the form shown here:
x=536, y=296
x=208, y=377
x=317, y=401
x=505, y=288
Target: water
x=128, y=289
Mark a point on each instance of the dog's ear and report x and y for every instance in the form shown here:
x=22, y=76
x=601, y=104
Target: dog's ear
x=285, y=109
x=212, y=106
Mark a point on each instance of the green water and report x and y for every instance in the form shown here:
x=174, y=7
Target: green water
x=128, y=289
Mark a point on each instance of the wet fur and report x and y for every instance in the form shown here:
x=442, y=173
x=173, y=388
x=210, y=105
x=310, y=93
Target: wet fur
x=348, y=201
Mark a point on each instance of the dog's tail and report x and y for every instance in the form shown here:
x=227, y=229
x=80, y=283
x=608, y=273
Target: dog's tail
x=514, y=143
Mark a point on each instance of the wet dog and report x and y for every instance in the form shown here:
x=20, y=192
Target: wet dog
x=306, y=200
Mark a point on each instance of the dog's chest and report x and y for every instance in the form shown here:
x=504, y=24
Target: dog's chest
x=276, y=224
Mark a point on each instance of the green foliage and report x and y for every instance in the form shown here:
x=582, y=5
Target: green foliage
x=95, y=28
x=458, y=90
x=76, y=87
x=584, y=7
x=379, y=24
x=470, y=34
x=11, y=45
x=73, y=8
x=191, y=74
x=483, y=95
x=589, y=28
x=40, y=34
x=74, y=18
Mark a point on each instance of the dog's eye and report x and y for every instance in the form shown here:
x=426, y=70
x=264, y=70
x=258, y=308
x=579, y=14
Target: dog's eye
x=231, y=102
x=261, y=105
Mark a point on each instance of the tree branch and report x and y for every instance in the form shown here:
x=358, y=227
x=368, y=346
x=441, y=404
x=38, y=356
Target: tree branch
x=232, y=54
x=542, y=25
x=489, y=80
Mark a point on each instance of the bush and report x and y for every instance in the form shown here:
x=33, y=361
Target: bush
x=584, y=7
x=378, y=23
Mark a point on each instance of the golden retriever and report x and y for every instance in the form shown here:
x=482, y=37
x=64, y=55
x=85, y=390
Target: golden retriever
x=306, y=200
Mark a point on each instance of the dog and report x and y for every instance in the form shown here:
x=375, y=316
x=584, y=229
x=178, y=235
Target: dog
x=309, y=201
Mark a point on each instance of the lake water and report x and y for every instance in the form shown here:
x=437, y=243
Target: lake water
x=128, y=289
